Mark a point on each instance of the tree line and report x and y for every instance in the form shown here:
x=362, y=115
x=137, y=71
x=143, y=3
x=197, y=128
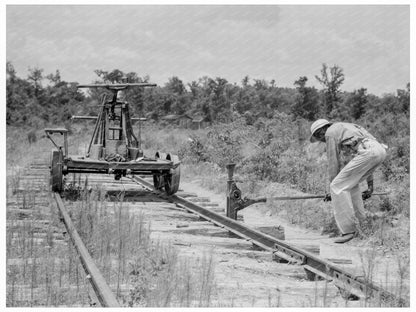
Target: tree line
x=40, y=99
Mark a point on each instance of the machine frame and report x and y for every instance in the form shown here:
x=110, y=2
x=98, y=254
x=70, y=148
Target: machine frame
x=113, y=148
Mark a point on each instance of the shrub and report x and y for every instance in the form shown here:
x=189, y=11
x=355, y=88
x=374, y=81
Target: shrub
x=194, y=150
x=289, y=166
x=224, y=143
x=304, y=174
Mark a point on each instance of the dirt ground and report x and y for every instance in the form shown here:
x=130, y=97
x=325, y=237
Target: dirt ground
x=246, y=277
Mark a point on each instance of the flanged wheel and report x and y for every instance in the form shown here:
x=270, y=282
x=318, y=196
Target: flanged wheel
x=173, y=178
x=56, y=179
x=158, y=181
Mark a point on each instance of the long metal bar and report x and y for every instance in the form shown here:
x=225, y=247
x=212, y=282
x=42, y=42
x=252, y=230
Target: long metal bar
x=264, y=199
x=234, y=206
x=101, y=289
x=341, y=278
x=309, y=197
x=117, y=85
x=133, y=119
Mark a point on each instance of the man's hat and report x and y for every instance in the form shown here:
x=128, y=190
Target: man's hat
x=316, y=126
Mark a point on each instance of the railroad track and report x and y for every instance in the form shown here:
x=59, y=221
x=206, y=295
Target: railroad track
x=350, y=285
x=103, y=292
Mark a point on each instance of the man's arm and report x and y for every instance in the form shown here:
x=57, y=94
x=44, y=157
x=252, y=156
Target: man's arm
x=332, y=153
x=370, y=183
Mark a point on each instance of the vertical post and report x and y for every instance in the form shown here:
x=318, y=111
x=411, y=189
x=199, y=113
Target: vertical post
x=230, y=212
x=123, y=125
x=140, y=135
x=65, y=144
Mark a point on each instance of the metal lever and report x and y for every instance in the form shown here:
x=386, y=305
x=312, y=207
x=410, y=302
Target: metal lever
x=235, y=202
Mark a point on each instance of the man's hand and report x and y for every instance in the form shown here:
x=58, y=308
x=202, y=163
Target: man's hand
x=327, y=197
x=367, y=194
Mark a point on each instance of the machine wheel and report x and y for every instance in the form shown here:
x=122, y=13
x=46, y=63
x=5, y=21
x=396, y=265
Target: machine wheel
x=56, y=179
x=173, y=178
x=158, y=181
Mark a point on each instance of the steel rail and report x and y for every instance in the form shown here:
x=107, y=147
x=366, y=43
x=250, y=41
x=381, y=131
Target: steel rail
x=355, y=285
x=103, y=292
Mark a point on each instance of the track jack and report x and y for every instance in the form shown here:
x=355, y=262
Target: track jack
x=234, y=200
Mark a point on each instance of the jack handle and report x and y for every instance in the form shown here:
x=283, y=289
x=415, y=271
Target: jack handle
x=247, y=201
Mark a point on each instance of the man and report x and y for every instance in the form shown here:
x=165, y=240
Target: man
x=368, y=154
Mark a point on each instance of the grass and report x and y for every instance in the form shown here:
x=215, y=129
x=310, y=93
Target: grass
x=41, y=271
x=393, y=278
x=142, y=271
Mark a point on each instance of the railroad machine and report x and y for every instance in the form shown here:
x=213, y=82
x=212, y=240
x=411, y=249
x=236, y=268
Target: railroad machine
x=113, y=148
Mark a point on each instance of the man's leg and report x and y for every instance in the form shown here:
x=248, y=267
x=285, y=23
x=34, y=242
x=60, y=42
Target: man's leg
x=357, y=203
x=348, y=213
x=345, y=192
x=344, y=211
x=344, y=189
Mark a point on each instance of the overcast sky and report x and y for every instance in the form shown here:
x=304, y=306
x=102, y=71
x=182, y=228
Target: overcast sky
x=371, y=43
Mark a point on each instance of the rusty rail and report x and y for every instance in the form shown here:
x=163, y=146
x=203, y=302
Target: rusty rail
x=313, y=265
x=101, y=289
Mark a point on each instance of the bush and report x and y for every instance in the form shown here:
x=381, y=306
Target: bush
x=304, y=174
x=194, y=150
x=225, y=142
x=262, y=165
x=393, y=171
x=289, y=166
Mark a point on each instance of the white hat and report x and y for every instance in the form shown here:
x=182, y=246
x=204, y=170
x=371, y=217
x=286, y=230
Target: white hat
x=316, y=126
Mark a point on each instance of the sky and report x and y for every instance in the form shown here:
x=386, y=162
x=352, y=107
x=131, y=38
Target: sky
x=371, y=43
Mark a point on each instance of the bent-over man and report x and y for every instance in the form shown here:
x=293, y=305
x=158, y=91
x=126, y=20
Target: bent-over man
x=368, y=154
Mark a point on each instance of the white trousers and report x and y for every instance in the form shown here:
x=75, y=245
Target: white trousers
x=345, y=188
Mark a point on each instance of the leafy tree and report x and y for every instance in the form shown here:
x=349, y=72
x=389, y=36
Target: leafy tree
x=214, y=99
x=35, y=77
x=389, y=103
x=55, y=79
x=244, y=98
x=175, y=85
x=115, y=76
x=29, y=103
x=10, y=71
x=245, y=82
x=180, y=100
x=260, y=84
x=404, y=98
x=307, y=101
x=357, y=103
x=221, y=100
x=132, y=77
x=331, y=83
x=195, y=89
x=63, y=101
x=18, y=94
